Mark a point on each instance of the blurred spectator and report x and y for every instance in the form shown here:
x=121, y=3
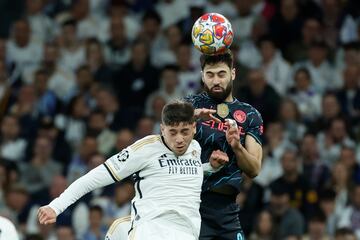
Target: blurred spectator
x=276, y=145
x=97, y=229
x=61, y=149
x=120, y=205
x=224, y=7
x=260, y=95
x=290, y=118
x=72, y=51
x=117, y=48
x=65, y=232
x=4, y=182
x=60, y=80
x=301, y=195
x=151, y=32
x=12, y=146
x=310, y=32
x=340, y=183
x=350, y=216
x=17, y=206
x=349, y=95
x=331, y=16
x=348, y=158
x=288, y=221
x=6, y=95
x=317, y=228
x=157, y=104
x=313, y=167
x=332, y=139
x=96, y=62
x=37, y=174
x=98, y=128
x=85, y=85
x=264, y=227
x=72, y=123
x=22, y=51
x=118, y=115
x=47, y=103
x=124, y=138
x=327, y=206
x=276, y=69
x=344, y=234
x=323, y=76
x=137, y=79
x=250, y=200
x=145, y=126
x=171, y=11
x=330, y=109
x=244, y=19
x=43, y=28
x=78, y=165
x=286, y=20
x=189, y=73
x=169, y=82
x=167, y=55
x=305, y=96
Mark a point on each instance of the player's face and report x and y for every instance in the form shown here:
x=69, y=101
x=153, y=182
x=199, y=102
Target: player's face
x=217, y=80
x=178, y=137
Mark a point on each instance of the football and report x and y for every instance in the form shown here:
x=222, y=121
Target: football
x=212, y=34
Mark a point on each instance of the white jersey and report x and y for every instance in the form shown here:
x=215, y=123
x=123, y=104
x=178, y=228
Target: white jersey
x=7, y=230
x=167, y=186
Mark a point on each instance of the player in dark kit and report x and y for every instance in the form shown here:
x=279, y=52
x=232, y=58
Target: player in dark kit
x=241, y=145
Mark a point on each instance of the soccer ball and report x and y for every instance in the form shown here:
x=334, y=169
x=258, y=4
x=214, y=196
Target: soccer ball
x=212, y=34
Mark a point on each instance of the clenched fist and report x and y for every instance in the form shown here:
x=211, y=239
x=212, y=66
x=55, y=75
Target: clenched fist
x=46, y=215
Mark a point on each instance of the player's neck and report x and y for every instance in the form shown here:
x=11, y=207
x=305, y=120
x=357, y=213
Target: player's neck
x=229, y=98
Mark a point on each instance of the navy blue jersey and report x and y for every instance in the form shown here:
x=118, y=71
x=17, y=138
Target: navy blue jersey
x=211, y=136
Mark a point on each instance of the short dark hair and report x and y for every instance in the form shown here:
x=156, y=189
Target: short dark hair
x=226, y=58
x=177, y=112
x=96, y=208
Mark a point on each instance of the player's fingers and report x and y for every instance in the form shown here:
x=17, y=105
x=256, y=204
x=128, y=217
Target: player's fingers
x=214, y=118
x=50, y=221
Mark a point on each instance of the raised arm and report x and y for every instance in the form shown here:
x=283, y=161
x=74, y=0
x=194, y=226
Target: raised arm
x=96, y=178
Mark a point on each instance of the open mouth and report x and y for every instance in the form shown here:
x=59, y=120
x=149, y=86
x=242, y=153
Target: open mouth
x=217, y=89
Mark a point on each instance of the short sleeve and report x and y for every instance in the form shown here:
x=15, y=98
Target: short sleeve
x=256, y=126
x=125, y=163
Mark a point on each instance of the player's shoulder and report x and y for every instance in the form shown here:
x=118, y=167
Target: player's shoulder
x=195, y=98
x=147, y=141
x=195, y=145
x=247, y=108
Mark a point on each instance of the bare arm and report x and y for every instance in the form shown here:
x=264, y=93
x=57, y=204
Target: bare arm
x=248, y=157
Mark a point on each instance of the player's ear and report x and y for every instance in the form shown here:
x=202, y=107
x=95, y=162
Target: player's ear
x=233, y=74
x=162, y=128
x=194, y=126
x=202, y=76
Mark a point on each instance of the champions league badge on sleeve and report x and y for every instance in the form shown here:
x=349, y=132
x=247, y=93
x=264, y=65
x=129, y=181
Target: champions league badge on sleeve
x=123, y=155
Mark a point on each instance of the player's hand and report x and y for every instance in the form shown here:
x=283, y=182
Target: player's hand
x=218, y=158
x=232, y=134
x=206, y=114
x=46, y=215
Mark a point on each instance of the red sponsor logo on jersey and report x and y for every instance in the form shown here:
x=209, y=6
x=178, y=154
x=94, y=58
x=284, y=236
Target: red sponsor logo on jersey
x=240, y=116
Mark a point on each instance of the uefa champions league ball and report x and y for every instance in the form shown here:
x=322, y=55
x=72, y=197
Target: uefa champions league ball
x=212, y=34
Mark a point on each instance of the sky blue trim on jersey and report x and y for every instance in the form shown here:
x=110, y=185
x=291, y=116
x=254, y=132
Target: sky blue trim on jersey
x=256, y=138
x=227, y=177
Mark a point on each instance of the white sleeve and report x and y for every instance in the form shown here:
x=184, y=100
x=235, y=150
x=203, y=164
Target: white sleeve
x=129, y=161
x=7, y=230
x=96, y=178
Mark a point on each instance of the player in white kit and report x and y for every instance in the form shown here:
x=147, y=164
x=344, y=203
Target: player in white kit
x=7, y=230
x=169, y=176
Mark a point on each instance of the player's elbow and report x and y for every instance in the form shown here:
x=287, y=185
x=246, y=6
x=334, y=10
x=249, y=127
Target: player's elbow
x=252, y=174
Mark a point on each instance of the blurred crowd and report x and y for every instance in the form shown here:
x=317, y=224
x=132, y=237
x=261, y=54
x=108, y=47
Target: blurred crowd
x=82, y=79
